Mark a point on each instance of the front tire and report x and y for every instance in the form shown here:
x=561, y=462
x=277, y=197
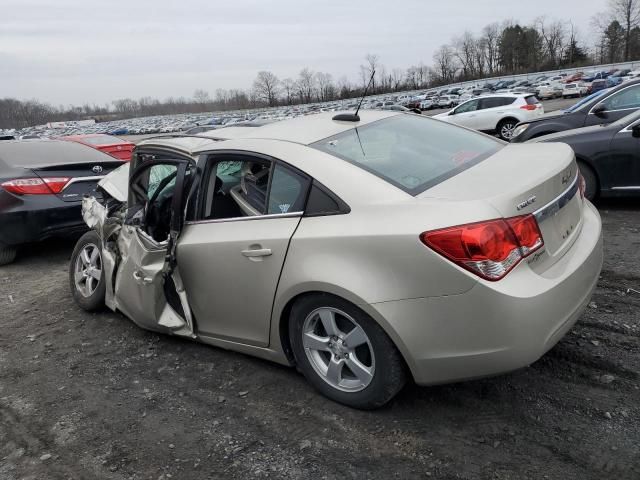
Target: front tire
x=86, y=273
x=344, y=353
x=7, y=255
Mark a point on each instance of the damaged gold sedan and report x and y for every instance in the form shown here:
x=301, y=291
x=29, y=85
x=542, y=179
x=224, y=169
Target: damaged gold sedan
x=365, y=250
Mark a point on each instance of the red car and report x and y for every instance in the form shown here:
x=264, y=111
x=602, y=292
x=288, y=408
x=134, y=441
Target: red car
x=114, y=146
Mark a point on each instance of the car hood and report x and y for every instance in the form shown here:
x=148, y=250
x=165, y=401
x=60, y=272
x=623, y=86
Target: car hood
x=116, y=183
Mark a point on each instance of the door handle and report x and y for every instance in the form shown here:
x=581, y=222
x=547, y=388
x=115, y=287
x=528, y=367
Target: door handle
x=257, y=252
x=138, y=277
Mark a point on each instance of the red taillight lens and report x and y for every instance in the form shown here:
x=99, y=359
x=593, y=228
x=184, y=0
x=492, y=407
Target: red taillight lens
x=582, y=185
x=35, y=186
x=489, y=249
x=529, y=107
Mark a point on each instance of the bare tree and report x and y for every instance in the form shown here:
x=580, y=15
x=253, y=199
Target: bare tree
x=445, y=64
x=288, y=85
x=201, y=96
x=371, y=65
x=326, y=89
x=397, y=79
x=491, y=38
x=553, y=35
x=306, y=85
x=267, y=87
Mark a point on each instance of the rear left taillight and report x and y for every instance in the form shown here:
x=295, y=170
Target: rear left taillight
x=488, y=249
x=528, y=107
x=35, y=186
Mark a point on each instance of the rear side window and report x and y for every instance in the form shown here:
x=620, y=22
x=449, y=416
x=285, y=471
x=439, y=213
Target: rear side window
x=411, y=152
x=496, y=102
x=531, y=100
x=287, y=192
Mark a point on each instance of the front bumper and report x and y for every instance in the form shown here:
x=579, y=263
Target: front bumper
x=500, y=326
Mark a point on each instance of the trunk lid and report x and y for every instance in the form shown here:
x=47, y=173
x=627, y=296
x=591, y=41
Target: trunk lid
x=84, y=177
x=522, y=179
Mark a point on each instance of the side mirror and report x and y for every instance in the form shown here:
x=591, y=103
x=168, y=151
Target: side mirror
x=452, y=112
x=635, y=131
x=600, y=111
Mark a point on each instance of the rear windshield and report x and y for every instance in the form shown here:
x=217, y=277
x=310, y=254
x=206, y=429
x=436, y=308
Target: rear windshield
x=411, y=152
x=102, y=140
x=532, y=100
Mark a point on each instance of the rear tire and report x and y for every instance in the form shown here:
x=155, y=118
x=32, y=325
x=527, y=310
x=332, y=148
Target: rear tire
x=86, y=273
x=7, y=255
x=370, y=370
x=592, y=188
x=505, y=128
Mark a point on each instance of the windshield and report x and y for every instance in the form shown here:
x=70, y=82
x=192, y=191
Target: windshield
x=577, y=106
x=411, y=152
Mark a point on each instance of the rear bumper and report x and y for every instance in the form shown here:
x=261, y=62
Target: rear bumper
x=34, y=218
x=501, y=326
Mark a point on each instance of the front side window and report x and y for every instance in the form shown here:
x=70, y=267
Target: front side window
x=470, y=106
x=624, y=99
x=411, y=152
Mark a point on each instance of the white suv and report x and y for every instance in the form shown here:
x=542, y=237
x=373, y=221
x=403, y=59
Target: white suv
x=495, y=113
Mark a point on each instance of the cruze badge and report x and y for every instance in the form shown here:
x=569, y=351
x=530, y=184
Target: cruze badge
x=526, y=203
x=97, y=169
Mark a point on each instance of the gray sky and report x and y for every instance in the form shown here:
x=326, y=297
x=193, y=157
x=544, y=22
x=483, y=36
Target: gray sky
x=95, y=51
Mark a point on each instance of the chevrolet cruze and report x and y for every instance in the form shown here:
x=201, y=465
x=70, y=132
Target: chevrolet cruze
x=365, y=250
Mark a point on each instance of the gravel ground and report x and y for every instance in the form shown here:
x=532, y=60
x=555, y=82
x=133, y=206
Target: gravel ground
x=91, y=396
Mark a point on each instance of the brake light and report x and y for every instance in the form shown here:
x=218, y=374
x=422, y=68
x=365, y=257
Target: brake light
x=488, y=249
x=35, y=186
x=529, y=107
x=582, y=185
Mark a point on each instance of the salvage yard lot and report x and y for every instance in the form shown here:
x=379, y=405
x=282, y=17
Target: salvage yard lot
x=93, y=396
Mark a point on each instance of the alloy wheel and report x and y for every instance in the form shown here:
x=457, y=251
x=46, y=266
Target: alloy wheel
x=88, y=270
x=338, y=349
x=506, y=131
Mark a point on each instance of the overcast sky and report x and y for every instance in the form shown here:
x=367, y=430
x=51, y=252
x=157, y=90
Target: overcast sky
x=95, y=51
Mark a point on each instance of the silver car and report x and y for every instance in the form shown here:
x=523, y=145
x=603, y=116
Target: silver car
x=366, y=251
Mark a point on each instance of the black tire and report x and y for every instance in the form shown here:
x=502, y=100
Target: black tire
x=7, y=255
x=592, y=187
x=385, y=383
x=94, y=301
x=507, y=123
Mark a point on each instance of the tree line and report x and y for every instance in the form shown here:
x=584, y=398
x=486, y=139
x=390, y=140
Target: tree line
x=499, y=49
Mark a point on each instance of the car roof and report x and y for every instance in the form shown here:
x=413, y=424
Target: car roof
x=302, y=130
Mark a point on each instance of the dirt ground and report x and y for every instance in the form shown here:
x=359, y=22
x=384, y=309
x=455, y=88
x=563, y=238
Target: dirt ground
x=87, y=396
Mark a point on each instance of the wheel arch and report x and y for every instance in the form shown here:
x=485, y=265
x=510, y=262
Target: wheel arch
x=282, y=317
x=580, y=159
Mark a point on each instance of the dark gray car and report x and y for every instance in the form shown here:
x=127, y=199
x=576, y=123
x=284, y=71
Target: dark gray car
x=607, y=155
x=603, y=107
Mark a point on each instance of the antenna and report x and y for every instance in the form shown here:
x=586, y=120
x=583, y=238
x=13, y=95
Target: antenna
x=353, y=117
